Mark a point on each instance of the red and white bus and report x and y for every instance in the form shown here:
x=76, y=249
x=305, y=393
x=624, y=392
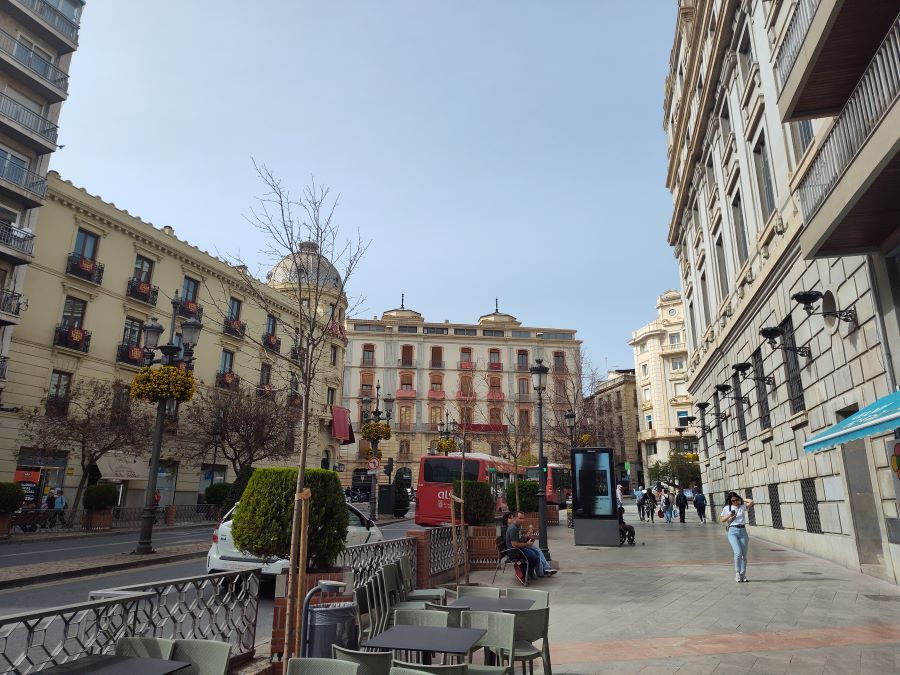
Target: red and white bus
x=436, y=476
x=559, y=482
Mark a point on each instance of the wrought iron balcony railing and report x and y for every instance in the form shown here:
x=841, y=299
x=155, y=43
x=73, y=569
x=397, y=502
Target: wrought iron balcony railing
x=85, y=268
x=436, y=365
x=4, y=363
x=131, y=354
x=36, y=64
x=495, y=365
x=189, y=309
x=143, y=291
x=78, y=339
x=17, y=238
x=10, y=302
x=57, y=405
x=15, y=111
x=226, y=379
x=797, y=28
x=272, y=342
x=234, y=327
x=57, y=20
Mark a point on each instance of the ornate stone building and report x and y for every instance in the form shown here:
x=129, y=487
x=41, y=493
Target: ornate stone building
x=611, y=418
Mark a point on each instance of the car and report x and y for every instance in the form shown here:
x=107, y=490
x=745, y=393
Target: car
x=223, y=556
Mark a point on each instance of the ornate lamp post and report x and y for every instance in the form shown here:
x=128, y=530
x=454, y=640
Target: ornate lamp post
x=375, y=416
x=539, y=381
x=570, y=422
x=190, y=335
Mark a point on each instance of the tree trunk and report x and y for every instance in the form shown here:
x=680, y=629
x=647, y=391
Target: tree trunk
x=297, y=566
x=76, y=500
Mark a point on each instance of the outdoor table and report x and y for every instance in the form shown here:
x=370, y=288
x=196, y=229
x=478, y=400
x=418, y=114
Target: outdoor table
x=109, y=664
x=427, y=639
x=479, y=604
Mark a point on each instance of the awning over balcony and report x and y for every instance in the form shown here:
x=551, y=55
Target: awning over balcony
x=878, y=418
x=120, y=467
x=341, y=428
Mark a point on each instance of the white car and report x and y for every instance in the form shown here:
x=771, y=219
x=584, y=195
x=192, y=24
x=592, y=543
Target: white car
x=224, y=557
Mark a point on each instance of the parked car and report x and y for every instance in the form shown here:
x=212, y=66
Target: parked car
x=224, y=557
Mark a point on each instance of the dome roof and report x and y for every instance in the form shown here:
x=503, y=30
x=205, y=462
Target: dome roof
x=306, y=266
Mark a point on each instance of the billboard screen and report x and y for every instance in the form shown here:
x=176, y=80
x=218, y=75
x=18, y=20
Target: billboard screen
x=593, y=483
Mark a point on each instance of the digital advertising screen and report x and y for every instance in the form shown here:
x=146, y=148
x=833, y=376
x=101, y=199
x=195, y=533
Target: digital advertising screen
x=593, y=483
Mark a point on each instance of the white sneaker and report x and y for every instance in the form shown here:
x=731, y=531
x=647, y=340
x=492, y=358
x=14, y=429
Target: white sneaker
x=737, y=577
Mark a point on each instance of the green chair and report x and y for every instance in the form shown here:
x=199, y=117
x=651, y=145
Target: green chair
x=311, y=666
x=532, y=625
x=478, y=591
x=407, y=578
x=420, y=617
x=453, y=613
x=145, y=648
x=541, y=598
x=499, y=639
x=370, y=663
x=454, y=669
x=207, y=657
x=406, y=671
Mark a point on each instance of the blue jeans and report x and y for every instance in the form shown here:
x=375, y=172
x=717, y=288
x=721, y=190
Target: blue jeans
x=740, y=542
x=545, y=566
x=668, y=511
x=534, y=561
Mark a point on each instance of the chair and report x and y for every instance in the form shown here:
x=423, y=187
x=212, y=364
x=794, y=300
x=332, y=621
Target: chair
x=145, y=648
x=406, y=671
x=454, y=669
x=541, y=598
x=389, y=576
x=207, y=657
x=453, y=613
x=370, y=663
x=532, y=625
x=312, y=666
x=420, y=617
x=510, y=555
x=438, y=595
x=477, y=591
x=499, y=639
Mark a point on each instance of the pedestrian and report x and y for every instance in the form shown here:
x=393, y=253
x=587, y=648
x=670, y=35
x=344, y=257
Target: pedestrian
x=640, y=503
x=59, y=506
x=515, y=539
x=649, y=505
x=667, y=507
x=734, y=516
x=626, y=531
x=700, y=505
x=682, y=503
x=618, y=495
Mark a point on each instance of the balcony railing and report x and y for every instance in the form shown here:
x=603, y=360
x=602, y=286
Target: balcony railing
x=523, y=367
x=4, y=362
x=524, y=397
x=406, y=427
x=873, y=96
x=367, y=363
x=467, y=365
x=234, y=327
x=272, y=342
x=437, y=395
x=131, y=354
x=794, y=36
x=143, y=291
x=436, y=365
x=78, y=339
x=469, y=395
x=36, y=64
x=226, y=379
x=189, y=309
x=18, y=175
x=496, y=396
x=674, y=347
x=406, y=393
x=57, y=405
x=15, y=111
x=482, y=428
x=85, y=268
x=17, y=238
x=495, y=365
x=406, y=363
x=10, y=302
x=57, y=20
x=560, y=368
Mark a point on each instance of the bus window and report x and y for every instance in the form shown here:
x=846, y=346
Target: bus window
x=439, y=470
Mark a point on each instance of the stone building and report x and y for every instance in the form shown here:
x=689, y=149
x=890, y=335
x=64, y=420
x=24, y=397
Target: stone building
x=611, y=418
x=751, y=158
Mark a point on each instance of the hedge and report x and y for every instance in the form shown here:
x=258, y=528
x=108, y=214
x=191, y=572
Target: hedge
x=99, y=497
x=12, y=496
x=528, y=496
x=217, y=493
x=480, y=504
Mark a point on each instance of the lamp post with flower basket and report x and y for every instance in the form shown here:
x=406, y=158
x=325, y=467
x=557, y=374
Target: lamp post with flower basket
x=172, y=381
x=375, y=430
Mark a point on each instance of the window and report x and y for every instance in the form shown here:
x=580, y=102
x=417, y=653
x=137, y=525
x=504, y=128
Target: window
x=559, y=387
x=407, y=356
x=674, y=339
x=407, y=329
x=792, y=363
x=494, y=387
x=681, y=416
x=803, y=137
x=434, y=330
x=738, y=406
x=690, y=325
x=643, y=347
x=559, y=360
x=523, y=387
x=73, y=312
x=740, y=230
x=464, y=331
x=190, y=289
x=435, y=417
x=234, y=309
x=465, y=417
x=618, y=400
x=361, y=327
x=492, y=333
x=762, y=393
x=330, y=396
x=406, y=381
x=143, y=268
x=86, y=244
x=447, y=470
x=645, y=370
x=366, y=388
x=746, y=59
x=647, y=394
x=722, y=272
x=810, y=505
x=704, y=297
x=725, y=122
x=437, y=357
x=764, y=178
x=524, y=420
x=368, y=355
x=226, y=361
x=436, y=382
x=559, y=336
x=465, y=355
x=131, y=335
x=494, y=417
x=465, y=385
x=520, y=334
x=775, y=506
x=405, y=416
x=494, y=356
x=522, y=360
x=265, y=374
x=677, y=363
x=334, y=355
x=25, y=101
x=649, y=420
x=60, y=383
x=71, y=9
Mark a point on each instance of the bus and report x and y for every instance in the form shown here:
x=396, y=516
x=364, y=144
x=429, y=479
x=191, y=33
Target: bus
x=436, y=476
x=559, y=482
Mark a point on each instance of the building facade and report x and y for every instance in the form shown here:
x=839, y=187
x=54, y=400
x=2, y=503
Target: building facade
x=474, y=374
x=660, y=362
x=611, y=419
x=764, y=373
x=37, y=41
x=100, y=278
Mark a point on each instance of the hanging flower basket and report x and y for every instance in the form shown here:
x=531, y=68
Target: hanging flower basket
x=446, y=444
x=165, y=382
x=584, y=440
x=370, y=454
x=376, y=431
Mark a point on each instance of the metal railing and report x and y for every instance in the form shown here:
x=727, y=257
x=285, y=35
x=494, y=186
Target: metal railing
x=29, y=119
x=873, y=96
x=85, y=268
x=366, y=559
x=10, y=301
x=29, y=181
x=443, y=556
x=142, y=290
x=4, y=363
x=59, y=21
x=17, y=238
x=72, y=338
x=36, y=64
x=123, y=518
x=796, y=32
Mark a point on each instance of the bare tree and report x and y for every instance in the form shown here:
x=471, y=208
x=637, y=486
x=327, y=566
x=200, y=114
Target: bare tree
x=95, y=418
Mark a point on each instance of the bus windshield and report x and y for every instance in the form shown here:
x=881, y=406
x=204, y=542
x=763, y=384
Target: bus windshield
x=532, y=473
x=437, y=470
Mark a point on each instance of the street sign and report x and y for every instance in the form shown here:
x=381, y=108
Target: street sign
x=373, y=464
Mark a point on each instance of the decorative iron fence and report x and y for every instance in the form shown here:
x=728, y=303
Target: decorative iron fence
x=219, y=606
x=444, y=556
x=125, y=517
x=366, y=559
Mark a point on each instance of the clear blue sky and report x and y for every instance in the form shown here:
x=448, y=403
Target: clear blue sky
x=489, y=148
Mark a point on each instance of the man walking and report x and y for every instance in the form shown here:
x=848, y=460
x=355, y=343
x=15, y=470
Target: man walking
x=700, y=505
x=681, y=502
x=640, y=503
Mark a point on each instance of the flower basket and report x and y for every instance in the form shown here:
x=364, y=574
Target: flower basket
x=235, y=325
x=144, y=287
x=585, y=440
x=165, y=382
x=271, y=340
x=376, y=431
x=446, y=445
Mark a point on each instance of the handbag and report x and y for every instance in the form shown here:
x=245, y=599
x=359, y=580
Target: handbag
x=660, y=514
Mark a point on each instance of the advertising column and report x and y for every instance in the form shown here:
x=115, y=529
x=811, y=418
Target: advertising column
x=593, y=497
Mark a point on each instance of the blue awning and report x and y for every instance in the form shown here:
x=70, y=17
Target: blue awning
x=878, y=418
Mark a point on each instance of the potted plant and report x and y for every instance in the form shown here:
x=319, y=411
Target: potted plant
x=98, y=502
x=480, y=509
x=12, y=496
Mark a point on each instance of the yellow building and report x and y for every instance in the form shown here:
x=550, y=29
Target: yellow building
x=93, y=285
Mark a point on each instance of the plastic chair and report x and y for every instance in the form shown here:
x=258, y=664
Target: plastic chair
x=407, y=578
x=370, y=663
x=478, y=591
x=532, y=625
x=505, y=556
x=420, y=617
x=406, y=671
x=499, y=639
x=454, y=669
x=207, y=657
x=453, y=613
x=145, y=648
x=312, y=666
x=541, y=598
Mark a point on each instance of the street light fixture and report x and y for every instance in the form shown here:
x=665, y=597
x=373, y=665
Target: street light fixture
x=375, y=416
x=539, y=381
x=190, y=336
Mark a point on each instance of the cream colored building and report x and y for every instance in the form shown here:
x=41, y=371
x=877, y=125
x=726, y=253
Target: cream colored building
x=660, y=367
x=99, y=278
x=768, y=171
x=477, y=373
x=611, y=418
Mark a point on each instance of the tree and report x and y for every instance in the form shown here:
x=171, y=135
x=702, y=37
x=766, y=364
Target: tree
x=681, y=469
x=96, y=419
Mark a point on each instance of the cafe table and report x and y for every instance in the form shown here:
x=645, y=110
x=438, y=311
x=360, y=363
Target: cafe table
x=479, y=604
x=427, y=639
x=109, y=664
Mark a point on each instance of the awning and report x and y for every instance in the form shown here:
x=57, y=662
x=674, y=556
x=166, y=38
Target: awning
x=341, y=428
x=118, y=467
x=878, y=418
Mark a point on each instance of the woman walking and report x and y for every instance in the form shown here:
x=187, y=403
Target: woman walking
x=734, y=515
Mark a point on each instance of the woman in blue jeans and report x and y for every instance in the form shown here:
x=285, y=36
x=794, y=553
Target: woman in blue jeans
x=734, y=515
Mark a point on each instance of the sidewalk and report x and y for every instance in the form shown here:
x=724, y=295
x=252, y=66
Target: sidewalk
x=672, y=605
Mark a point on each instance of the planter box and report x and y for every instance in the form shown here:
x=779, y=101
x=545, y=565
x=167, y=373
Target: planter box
x=4, y=525
x=98, y=520
x=482, y=545
x=170, y=514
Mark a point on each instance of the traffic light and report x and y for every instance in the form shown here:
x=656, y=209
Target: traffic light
x=389, y=467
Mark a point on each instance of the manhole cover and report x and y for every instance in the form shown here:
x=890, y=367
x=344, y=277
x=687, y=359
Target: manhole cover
x=884, y=598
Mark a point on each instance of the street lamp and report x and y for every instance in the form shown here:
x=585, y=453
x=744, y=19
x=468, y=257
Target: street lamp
x=375, y=416
x=190, y=335
x=539, y=381
x=570, y=422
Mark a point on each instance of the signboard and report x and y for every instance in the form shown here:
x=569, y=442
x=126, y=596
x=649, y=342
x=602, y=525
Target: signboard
x=373, y=464
x=593, y=483
x=28, y=481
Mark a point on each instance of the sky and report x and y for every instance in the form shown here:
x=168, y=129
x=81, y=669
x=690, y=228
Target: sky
x=508, y=149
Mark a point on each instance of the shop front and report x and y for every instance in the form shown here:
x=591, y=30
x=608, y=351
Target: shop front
x=38, y=471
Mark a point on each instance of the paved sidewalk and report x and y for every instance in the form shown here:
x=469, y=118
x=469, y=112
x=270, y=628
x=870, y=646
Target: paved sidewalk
x=672, y=605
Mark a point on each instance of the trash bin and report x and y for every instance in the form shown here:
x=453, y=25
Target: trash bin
x=331, y=623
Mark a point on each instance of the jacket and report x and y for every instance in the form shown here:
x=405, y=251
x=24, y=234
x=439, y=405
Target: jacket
x=681, y=501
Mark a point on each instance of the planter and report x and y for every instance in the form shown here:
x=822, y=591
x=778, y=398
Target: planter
x=482, y=545
x=551, y=515
x=400, y=513
x=4, y=525
x=99, y=519
x=170, y=514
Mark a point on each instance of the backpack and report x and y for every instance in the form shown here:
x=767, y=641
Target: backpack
x=667, y=501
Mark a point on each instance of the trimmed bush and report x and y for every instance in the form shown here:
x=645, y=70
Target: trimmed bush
x=480, y=504
x=401, y=496
x=12, y=496
x=262, y=522
x=217, y=493
x=528, y=496
x=99, y=497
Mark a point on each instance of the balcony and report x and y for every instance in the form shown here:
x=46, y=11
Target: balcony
x=496, y=396
x=4, y=363
x=143, y=291
x=676, y=348
x=16, y=244
x=296, y=354
x=468, y=395
x=432, y=427
x=17, y=59
x=57, y=405
x=482, y=428
x=131, y=354
x=77, y=339
x=681, y=399
x=265, y=391
x=272, y=342
x=524, y=397
x=436, y=365
x=225, y=379
x=234, y=328
x=438, y=395
x=10, y=306
x=23, y=185
x=523, y=367
x=406, y=363
x=27, y=127
x=404, y=427
x=559, y=368
x=406, y=393
x=40, y=15
x=827, y=46
x=189, y=309
x=467, y=365
x=367, y=363
x=85, y=268
x=495, y=365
